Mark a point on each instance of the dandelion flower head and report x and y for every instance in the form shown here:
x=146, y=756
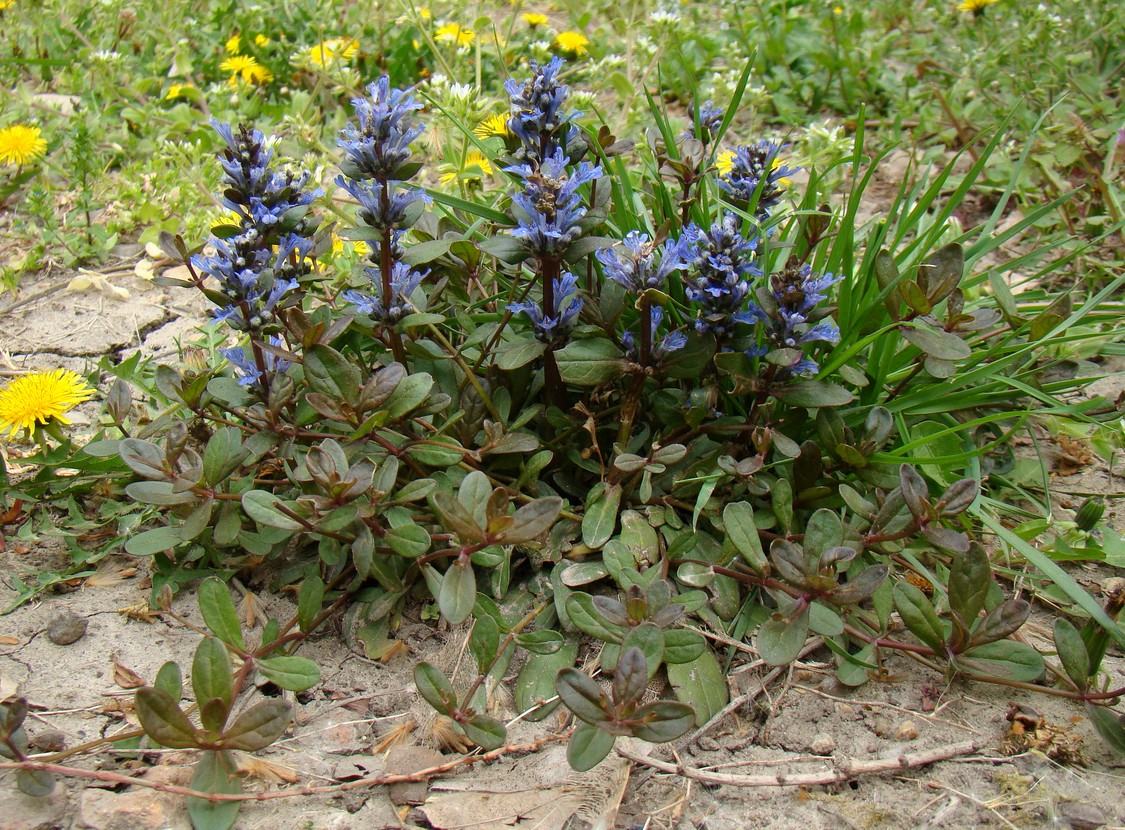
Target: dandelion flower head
x=234, y=44
x=493, y=125
x=248, y=68
x=21, y=144
x=974, y=6
x=261, y=40
x=534, y=19
x=335, y=50
x=40, y=397
x=572, y=43
x=455, y=33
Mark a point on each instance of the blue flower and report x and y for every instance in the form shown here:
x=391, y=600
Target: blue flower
x=672, y=341
x=396, y=213
x=754, y=167
x=568, y=304
x=550, y=207
x=404, y=280
x=724, y=263
x=380, y=146
x=633, y=267
x=710, y=119
x=791, y=315
x=538, y=119
x=246, y=368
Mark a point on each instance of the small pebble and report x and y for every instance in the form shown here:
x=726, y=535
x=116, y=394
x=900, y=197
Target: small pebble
x=66, y=627
x=50, y=741
x=881, y=726
x=823, y=744
x=907, y=731
x=708, y=744
x=1079, y=816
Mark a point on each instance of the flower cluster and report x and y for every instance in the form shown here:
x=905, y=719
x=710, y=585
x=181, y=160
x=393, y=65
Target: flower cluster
x=756, y=171
x=246, y=366
x=554, y=323
x=259, y=265
x=672, y=341
x=550, y=206
x=376, y=166
x=633, y=267
x=538, y=117
x=724, y=262
x=710, y=119
x=790, y=314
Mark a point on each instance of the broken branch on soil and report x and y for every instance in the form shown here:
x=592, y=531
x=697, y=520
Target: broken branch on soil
x=844, y=769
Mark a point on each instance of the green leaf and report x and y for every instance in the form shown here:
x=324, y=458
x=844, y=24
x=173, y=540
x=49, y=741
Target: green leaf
x=484, y=642
x=586, y=618
x=36, y=783
x=215, y=773
x=532, y=520
x=1004, y=658
x=259, y=726
x=543, y=641
x=682, y=646
x=600, y=518
x=289, y=672
x=536, y=680
x=159, y=492
x=434, y=688
x=1006, y=618
x=588, y=747
x=163, y=720
x=519, y=353
x=410, y=393
x=741, y=529
x=169, y=679
x=487, y=733
x=309, y=600
x=813, y=393
x=219, y=612
x=455, y=517
x=853, y=671
x=330, y=373
x=261, y=506
x=1108, y=725
x=589, y=362
x=780, y=639
x=458, y=592
x=224, y=452
x=701, y=684
x=410, y=541
x=970, y=576
x=152, y=542
x=211, y=680
x=662, y=721
x=648, y=639
x=1072, y=652
x=583, y=696
x=919, y=616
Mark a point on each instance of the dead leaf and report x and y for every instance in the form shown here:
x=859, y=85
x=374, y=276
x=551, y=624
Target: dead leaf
x=1074, y=455
x=9, y=640
x=250, y=610
x=125, y=677
x=262, y=770
x=8, y=687
x=109, y=574
x=141, y=612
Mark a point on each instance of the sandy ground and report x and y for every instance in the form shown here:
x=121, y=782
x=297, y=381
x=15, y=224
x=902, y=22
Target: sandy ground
x=801, y=724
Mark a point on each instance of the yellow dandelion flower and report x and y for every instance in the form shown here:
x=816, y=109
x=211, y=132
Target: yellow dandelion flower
x=248, y=68
x=975, y=6
x=6, y=4
x=21, y=144
x=358, y=246
x=534, y=19
x=177, y=91
x=234, y=44
x=39, y=398
x=262, y=41
x=455, y=33
x=334, y=50
x=724, y=162
x=573, y=43
x=837, y=10
x=425, y=13
x=476, y=167
x=493, y=125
